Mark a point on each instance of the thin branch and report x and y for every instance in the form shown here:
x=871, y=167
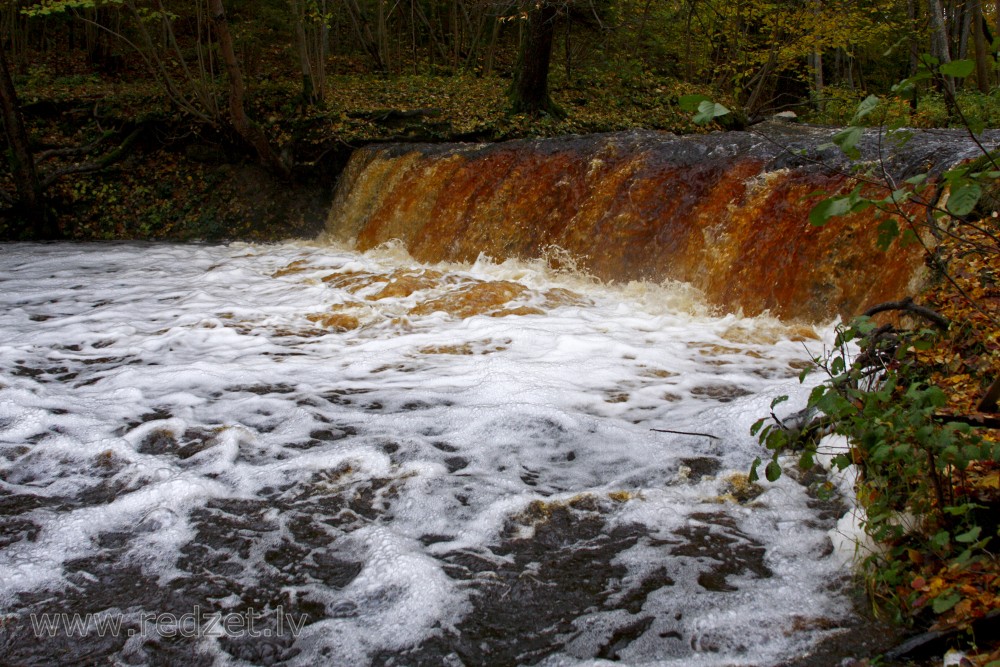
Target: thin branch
x=954, y=283
x=664, y=430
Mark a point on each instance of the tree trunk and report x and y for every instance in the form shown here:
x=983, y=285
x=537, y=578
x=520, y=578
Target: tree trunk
x=530, y=91
x=816, y=60
x=939, y=45
x=816, y=63
x=244, y=126
x=382, y=35
x=322, y=41
x=911, y=15
x=979, y=43
x=308, y=88
x=491, y=50
x=962, y=27
x=29, y=198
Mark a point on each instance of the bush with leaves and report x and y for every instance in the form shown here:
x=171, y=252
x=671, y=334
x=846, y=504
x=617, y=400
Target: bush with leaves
x=913, y=465
x=921, y=471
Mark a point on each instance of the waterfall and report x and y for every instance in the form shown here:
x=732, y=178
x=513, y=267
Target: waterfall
x=727, y=212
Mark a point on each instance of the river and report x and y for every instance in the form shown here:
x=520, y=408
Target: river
x=302, y=454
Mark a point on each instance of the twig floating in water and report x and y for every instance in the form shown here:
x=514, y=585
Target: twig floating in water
x=663, y=430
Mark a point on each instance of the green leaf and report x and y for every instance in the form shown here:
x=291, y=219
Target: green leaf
x=959, y=510
x=888, y=232
x=829, y=208
x=866, y=107
x=772, y=471
x=958, y=68
x=970, y=536
x=928, y=61
x=778, y=400
x=847, y=139
x=757, y=426
x=834, y=404
x=753, y=476
x=906, y=85
x=957, y=177
x=899, y=136
x=709, y=111
x=842, y=461
x=909, y=238
x=888, y=52
x=806, y=460
x=897, y=196
x=964, y=200
x=943, y=603
x=837, y=365
x=777, y=439
x=690, y=103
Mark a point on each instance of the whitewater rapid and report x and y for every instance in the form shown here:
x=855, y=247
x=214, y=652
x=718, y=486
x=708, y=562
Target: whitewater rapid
x=408, y=464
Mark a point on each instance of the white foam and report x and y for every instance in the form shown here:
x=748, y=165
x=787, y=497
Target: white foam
x=142, y=384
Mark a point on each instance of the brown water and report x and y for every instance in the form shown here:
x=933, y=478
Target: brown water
x=727, y=213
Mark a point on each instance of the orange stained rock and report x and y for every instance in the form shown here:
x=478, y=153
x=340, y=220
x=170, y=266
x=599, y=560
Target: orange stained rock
x=336, y=321
x=403, y=283
x=478, y=298
x=518, y=311
x=297, y=266
x=462, y=349
x=559, y=296
x=351, y=281
x=487, y=346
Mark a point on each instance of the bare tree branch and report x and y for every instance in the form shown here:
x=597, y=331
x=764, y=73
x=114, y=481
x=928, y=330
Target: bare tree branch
x=909, y=306
x=71, y=152
x=97, y=165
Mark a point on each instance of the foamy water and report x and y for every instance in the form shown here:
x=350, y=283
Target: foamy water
x=419, y=464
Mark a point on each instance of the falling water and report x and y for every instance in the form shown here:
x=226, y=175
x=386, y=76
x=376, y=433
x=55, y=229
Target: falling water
x=726, y=213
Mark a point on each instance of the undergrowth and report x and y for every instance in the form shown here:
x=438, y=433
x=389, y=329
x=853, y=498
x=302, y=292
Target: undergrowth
x=915, y=395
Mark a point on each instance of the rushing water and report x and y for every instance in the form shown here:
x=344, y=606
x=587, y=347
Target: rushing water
x=727, y=212
x=392, y=463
